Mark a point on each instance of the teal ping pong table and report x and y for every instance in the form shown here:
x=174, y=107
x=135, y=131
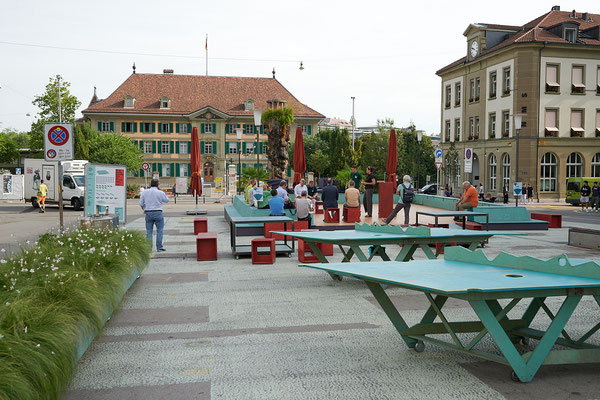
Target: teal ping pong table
x=481, y=282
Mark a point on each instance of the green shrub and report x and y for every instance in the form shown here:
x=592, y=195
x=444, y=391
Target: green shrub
x=54, y=294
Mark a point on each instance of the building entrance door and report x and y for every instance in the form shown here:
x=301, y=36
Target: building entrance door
x=209, y=172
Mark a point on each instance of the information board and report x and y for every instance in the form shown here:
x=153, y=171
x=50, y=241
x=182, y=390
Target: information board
x=106, y=189
x=181, y=184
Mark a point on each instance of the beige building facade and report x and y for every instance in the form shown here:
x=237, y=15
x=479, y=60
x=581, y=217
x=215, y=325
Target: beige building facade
x=547, y=73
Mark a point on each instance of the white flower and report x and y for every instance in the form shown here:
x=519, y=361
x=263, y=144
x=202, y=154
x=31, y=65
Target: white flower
x=37, y=345
x=2, y=250
x=3, y=261
x=25, y=329
x=1, y=336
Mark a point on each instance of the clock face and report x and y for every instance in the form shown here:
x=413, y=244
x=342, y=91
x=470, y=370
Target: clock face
x=474, y=48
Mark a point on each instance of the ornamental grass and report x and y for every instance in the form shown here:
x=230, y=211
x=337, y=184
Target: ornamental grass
x=54, y=298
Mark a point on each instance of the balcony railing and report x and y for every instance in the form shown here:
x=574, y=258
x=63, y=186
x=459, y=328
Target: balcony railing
x=577, y=89
x=576, y=133
x=550, y=88
x=550, y=133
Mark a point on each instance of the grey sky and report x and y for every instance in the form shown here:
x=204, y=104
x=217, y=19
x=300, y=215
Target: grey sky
x=385, y=53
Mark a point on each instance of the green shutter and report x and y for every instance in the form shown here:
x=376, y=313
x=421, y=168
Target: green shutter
x=153, y=147
x=201, y=128
x=260, y=147
x=226, y=128
x=160, y=146
x=243, y=147
x=189, y=129
x=134, y=126
x=172, y=169
x=153, y=167
x=309, y=129
x=239, y=126
x=142, y=145
x=122, y=126
x=99, y=126
x=201, y=147
x=189, y=169
x=189, y=147
x=159, y=127
x=226, y=148
x=262, y=129
x=177, y=127
x=112, y=126
x=172, y=147
x=153, y=127
x=170, y=127
x=214, y=147
x=177, y=169
x=159, y=169
x=177, y=148
x=135, y=143
x=214, y=126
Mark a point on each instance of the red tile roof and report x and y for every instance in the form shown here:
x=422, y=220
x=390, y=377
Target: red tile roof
x=536, y=31
x=190, y=93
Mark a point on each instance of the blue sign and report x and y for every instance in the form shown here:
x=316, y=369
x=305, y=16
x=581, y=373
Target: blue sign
x=438, y=153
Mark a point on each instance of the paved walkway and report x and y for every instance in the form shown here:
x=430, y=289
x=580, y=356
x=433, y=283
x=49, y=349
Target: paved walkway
x=232, y=330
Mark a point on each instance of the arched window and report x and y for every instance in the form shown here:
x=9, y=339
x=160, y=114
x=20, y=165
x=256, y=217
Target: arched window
x=505, y=169
x=492, y=172
x=548, y=173
x=596, y=165
x=165, y=102
x=129, y=101
x=574, y=165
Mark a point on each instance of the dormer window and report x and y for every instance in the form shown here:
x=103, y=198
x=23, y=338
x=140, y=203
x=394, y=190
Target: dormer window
x=165, y=102
x=249, y=105
x=129, y=101
x=571, y=35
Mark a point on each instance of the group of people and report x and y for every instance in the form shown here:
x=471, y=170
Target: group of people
x=586, y=193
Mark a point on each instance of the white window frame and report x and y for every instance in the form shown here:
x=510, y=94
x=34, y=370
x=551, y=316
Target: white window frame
x=493, y=166
x=457, y=129
x=105, y=126
x=165, y=127
x=457, y=93
x=448, y=102
x=166, y=145
x=596, y=165
x=232, y=128
x=574, y=165
x=506, y=85
x=248, y=129
x=476, y=128
x=506, y=122
x=505, y=169
x=147, y=147
x=128, y=127
x=183, y=128
x=493, y=84
x=166, y=169
x=208, y=128
x=250, y=148
x=183, y=170
x=183, y=148
x=472, y=90
x=129, y=102
x=548, y=172
x=471, y=127
x=477, y=88
x=447, y=131
x=492, y=130
x=233, y=148
x=571, y=35
x=164, y=102
x=208, y=147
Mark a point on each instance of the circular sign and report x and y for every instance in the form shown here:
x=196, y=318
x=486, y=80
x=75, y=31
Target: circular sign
x=51, y=153
x=468, y=154
x=438, y=153
x=58, y=135
x=145, y=166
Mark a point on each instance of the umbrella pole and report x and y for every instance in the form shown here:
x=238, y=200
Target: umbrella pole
x=196, y=208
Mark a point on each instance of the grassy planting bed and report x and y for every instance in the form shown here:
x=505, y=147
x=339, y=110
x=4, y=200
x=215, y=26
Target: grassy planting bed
x=54, y=298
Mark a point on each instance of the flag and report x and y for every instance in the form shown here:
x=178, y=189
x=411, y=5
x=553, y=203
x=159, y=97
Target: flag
x=206, y=43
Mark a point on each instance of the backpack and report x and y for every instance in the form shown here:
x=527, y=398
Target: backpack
x=408, y=195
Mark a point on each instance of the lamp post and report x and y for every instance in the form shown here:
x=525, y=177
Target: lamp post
x=518, y=119
x=257, y=124
x=419, y=138
x=238, y=132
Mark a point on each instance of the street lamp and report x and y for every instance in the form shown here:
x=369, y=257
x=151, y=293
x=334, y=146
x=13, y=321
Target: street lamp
x=419, y=138
x=518, y=119
x=257, y=124
x=238, y=132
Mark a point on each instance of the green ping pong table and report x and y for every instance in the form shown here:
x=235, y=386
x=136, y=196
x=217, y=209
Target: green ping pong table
x=482, y=282
x=410, y=239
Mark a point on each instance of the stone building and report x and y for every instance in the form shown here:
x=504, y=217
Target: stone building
x=545, y=72
x=159, y=111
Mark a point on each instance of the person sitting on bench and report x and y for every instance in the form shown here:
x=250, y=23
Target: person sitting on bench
x=303, y=208
x=330, y=195
x=352, y=196
x=469, y=198
x=276, y=204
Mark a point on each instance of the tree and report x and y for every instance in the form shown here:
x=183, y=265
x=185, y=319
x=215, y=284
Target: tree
x=19, y=138
x=374, y=152
x=83, y=137
x=112, y=148
x=338, y=150
x=250, y=173
x=9, y=151
x=48, y=105
x=319, y=162
x=408, y=155
x=277, y=124
x=451, y=165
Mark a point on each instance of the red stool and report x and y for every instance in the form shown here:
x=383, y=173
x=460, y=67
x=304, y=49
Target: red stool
x=352, y=214
x=438, y=246
x=305, y=253
x=332, y=215
x=206, y=246
x=275, y=226
x=318, y=207
x=200, y=225
x=326, y=248
x=264, y=258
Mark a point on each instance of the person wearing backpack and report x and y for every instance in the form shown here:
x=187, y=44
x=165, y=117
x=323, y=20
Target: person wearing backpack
x=406, y=191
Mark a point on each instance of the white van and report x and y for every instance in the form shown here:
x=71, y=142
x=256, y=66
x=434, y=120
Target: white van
x=73, y=181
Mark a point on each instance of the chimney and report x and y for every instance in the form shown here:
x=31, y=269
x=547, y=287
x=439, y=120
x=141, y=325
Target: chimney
x=574, y=15
x=168, y=71
x=584, y=16
x=556, y=8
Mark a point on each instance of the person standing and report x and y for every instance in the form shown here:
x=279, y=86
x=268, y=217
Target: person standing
x=300, y=187
x=356, y=177
x=42, y=192
x=505, y=193
x=313, y=194
x=585, y=196
x=595, y=196
x=469, y=198
x=481, y=191
x=303, y=208
x=524, y=193
x=330, y=195
x=448, y=191
x=529, y=193
x=369, y=188
x=406, y=193
x=152, y=201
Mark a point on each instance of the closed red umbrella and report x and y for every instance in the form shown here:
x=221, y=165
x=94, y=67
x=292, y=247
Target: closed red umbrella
x=299, y=157
x=196, y=183
x=392, y=158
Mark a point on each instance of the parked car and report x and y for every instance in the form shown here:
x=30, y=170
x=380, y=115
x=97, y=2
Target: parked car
x=432, y=188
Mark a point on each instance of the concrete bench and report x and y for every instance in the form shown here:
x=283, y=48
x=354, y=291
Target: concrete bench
x=584, y=237
x=554, y=220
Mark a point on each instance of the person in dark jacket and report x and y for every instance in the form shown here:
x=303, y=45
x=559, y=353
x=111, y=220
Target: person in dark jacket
x=505, y=192
x=330, y=195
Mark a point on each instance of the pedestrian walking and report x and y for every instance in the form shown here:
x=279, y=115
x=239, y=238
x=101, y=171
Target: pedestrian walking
x=152, y=201
x=524, y=193
x=481, y=191
x=406, y=193
x=369, y=188
x=529, y=193
x=505, y=193
x=595, y=196
x=42, y=192
x=584, y=200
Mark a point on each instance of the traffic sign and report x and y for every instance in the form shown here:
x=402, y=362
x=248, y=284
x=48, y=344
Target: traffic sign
x=438, y=153
x=438, y=164
x=517, y=188
x=146, y=166
x=468, y=160
x=58, y=141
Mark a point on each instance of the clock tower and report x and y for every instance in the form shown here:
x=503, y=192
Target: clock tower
x=475, y=34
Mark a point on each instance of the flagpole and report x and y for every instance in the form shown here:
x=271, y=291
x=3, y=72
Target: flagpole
x=206, y=48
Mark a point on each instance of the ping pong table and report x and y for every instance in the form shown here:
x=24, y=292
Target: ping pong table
x=455, y=214
x=481, y=282
x=377, y=236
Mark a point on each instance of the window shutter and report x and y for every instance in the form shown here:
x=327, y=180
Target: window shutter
x=239, y=126
x=226, y=148
x=262, y=129
x=153, y=147
x=309, y=129
x=112, y=126
x=153, y=127
x=142, y=145
x=160, y=146
x=170, y=127
x=134, y=126
x=122, y=126
x=159, y=128
x=201, y=128
x=243, y=147
x=177, y=127
x=172, y=147
x=99, y=126
x=189, y=169
x=189, y=129
x=260, y=148
x=177, y=166
x=201, y=147
x=190, y=147
x=160, y=169
x=153, y=167
x=214, y=147
x=177, y=147
x=172, y=169
x=135, y=142
x=214, y=126
x=226, y=128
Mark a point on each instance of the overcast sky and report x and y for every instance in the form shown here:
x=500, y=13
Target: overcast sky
x=385, y=53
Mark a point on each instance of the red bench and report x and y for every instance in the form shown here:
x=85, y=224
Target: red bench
x=474, y=226
x=554, y=220
x=200, y=225
x=318, y=207
x=206, y=246
x=352, y=214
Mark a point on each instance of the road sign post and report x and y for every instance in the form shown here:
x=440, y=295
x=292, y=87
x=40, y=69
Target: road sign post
x=58, y=146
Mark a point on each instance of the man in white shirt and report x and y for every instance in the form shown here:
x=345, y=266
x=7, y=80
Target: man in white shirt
x=300, y=187
x=152, y=201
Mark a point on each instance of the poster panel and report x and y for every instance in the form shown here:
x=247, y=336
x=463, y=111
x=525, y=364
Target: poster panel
x=106, y=189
